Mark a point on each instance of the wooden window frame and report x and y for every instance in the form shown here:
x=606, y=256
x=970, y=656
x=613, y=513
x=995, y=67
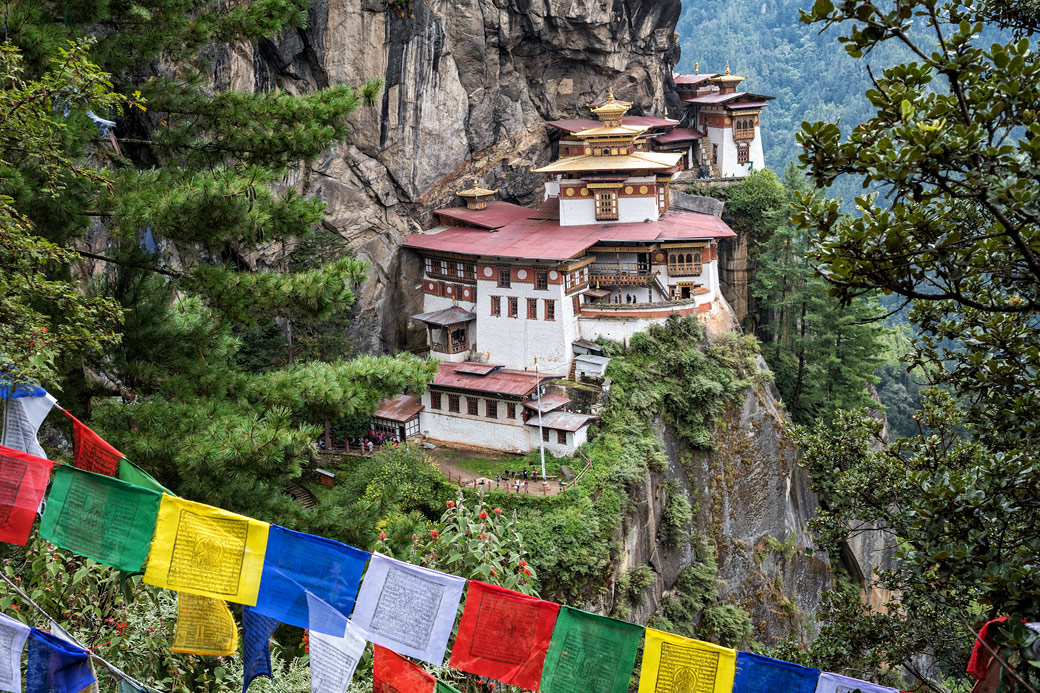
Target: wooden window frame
x=561, y=437
x=504, y=277
x=496, y=306
x=541, y=280
x=435, y=400
x=545, y=434
x=743, y=152
x=532, y=309
x=550, y=309
x=511, y=411
x=453, y=403
x=472, y=406
x=606, y=202
x=491, y=408
x=514, y=306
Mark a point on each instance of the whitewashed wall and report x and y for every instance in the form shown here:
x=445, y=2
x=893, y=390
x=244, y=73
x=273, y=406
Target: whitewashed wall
x=515, y=342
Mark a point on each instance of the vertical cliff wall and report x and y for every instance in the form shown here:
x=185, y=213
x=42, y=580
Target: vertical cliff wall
x=469, y=85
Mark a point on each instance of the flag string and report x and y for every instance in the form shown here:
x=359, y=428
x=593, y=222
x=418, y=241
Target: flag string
x=54, y=625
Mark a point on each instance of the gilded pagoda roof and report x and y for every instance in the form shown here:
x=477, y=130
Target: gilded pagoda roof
x=611, y=108
x=618, y=131
x=635, y=161
x=476, y=191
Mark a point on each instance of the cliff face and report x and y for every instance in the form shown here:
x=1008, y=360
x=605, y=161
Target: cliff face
x=469, y=85
x=752, y=503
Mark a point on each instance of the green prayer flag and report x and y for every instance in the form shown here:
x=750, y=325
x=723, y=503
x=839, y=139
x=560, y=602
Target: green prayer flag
x=132, y=474
x=100, y=517
x=445, y=688
x=590, y=653
x=127, y=687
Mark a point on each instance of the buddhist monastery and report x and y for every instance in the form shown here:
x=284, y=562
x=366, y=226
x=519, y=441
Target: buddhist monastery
x=603, y=256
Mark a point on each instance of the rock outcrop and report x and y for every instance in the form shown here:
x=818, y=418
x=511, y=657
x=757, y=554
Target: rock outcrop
x=468, y=86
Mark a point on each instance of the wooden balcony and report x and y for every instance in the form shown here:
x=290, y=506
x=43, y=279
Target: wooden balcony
x=619, y=274
x=685, y=270
x=452, y=347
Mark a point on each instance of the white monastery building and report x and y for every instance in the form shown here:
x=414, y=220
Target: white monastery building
x=603, y=256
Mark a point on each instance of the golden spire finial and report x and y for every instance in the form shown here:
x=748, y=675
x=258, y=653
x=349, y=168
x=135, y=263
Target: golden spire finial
x=727, y=67
x=696, y=67
x=610, y=93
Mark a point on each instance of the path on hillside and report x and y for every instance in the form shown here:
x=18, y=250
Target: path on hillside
x=467, y=477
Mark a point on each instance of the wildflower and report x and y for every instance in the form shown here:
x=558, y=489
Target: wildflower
x=483, y=514
x=498, y=511
x=415, y=537
x=382, y=535
x=450, y=504
x=434, y=534
x=527, y=571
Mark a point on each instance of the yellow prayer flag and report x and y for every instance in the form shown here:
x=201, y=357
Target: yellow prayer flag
x=207, y=551
x=674, y=664
x=204, y=627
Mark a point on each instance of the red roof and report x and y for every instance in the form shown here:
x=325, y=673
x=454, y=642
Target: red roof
x=573, y=125
x=549, y=402
x=745, y=104
x=502, y=381
x=562, y=420
x=546, y=240
x=400, y=408
x=679, y=135
x=496, y=215
x=716, y=97
x=693, y=79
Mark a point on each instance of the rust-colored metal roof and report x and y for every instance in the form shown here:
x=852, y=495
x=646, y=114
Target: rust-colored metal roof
x=475, y=368
x=446, y=317
x=496, y=215
x=636, y=161
x=679, y=135
x=549, y=209
x=549, y=403
x=716, y=97
x=562, y=420
x=502, y=381
x=401, y=408
x=744, y=104
x=546, y=239
x=575, y=125
x=691, y=80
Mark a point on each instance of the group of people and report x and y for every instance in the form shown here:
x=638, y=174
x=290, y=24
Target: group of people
x=366, y=444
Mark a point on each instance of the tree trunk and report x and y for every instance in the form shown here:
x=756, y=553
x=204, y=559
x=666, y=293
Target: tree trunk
x=801, y=361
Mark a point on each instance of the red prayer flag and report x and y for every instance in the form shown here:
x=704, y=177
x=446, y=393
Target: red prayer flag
x=23, y=481
x=392, y=673
x=504, y=635
x=92, y=453
x=981, y=659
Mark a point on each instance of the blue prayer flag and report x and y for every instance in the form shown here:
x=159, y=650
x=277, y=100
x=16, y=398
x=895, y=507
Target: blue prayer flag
x=256, y=651
x=758, y=674
x=55, y=665
x=298, y=563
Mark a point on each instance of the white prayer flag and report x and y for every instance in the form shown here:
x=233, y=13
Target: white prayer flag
x=333, y=658
x=12, y=641
x=836, y=683
x=408, y=609
x=22, y=419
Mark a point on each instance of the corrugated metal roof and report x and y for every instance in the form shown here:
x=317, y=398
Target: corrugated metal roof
x=549, y=402
x=637, y=161
x=573, y=125
x=716, y=97
x=679, y=135
x=475, y=368
x=503, y=381
x=401, y=408
x=446, y=317
x=593, y=359
x=548, y=240
x=744, y=104
x=562, y=420
x=495, y=215
x=693, y=79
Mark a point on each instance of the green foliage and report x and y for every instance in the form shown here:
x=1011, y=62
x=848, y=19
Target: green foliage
x=758, y=205
x=677, y=516
x=823, y=354
x=629, y=588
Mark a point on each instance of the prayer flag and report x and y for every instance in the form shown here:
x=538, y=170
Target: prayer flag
x=392, y=673
x=590, y=653
x=504, y=635
x=23, y=415
x=127, y=687
x=256, y=650
x=408, y=608
x=836, y=683
x=204, y=627
x=12, y=641
x=208, y=551
x=756, y=674
x=55, y=665
x=445, y=688
x=333, y=657
x=296, y=564
x=23, y=480
x=674, y=664
x=91, y=452
x=100, y=517
x=132, y=474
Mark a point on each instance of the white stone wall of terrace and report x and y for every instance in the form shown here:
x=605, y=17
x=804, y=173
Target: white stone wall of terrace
x=514, y=342
x=638, y=209
x=552, y=189
x=577, y=212
x=619, y=322
x=485, y=433
x=433, y=303
x=575, y=440
x=758, y=157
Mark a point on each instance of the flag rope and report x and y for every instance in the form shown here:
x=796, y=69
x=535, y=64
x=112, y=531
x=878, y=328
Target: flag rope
x=112, y=668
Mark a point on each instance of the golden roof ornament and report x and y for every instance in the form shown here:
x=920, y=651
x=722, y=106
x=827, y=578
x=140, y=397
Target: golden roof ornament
x=611, y=109
x=476, y=197
x=727, y=67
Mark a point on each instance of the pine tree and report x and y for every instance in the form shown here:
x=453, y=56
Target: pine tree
x=203, y=173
